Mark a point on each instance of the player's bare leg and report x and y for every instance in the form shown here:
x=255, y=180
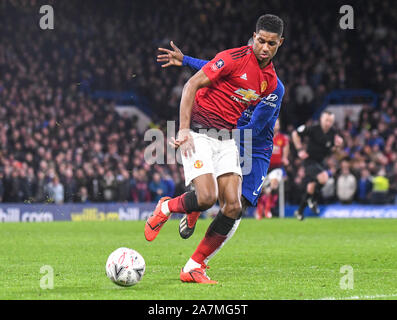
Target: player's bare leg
x=219, y=231
x=202, y=198
x=206, y=187
x=188, y=221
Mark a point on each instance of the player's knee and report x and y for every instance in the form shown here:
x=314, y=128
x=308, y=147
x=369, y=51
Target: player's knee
x=206, y=200
x=233, y=209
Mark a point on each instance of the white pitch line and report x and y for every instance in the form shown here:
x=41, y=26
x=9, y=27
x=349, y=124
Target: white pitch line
x=361, y=297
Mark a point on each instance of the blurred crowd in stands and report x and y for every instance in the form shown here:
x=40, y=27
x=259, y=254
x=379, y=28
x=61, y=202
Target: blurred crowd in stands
x=60, y=144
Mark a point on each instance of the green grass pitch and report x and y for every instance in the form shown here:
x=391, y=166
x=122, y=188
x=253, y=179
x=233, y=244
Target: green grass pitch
x=268, y=259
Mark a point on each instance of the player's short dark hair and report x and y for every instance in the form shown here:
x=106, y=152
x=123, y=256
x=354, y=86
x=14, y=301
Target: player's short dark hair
x=270, y=23
x=330, y=113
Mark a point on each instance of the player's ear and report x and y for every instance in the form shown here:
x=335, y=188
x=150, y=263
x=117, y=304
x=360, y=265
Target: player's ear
x=253, y=36
x=281, y=41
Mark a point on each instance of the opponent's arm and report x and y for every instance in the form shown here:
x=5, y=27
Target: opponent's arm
x=260, y=117
x=194, y=62
x=171, y=57
x=175, y=57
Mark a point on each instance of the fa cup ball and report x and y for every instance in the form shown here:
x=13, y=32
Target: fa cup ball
x=125, y=267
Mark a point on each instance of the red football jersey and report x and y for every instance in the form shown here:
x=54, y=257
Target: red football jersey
x=237, y=82
x=279, y=142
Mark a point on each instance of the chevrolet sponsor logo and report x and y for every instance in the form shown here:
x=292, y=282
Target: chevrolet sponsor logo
x=248, y=95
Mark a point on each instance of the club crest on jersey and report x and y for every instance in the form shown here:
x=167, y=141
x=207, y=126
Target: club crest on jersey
x=248, y=95
x=198, y=164
x=263, y=85
x=217, y=65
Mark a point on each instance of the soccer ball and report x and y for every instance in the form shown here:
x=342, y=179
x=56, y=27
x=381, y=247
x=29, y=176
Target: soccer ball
x=125, y=267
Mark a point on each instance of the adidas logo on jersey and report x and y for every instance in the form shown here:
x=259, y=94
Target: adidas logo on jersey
x=244, y=76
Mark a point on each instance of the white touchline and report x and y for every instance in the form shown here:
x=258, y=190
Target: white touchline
x=360, y=297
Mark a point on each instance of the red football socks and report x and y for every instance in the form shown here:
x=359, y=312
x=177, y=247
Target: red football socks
x=177, y=204
x=185, y=203
x=211, y=242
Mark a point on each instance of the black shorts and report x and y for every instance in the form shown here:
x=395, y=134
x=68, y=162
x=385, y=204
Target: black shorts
x=312, y=169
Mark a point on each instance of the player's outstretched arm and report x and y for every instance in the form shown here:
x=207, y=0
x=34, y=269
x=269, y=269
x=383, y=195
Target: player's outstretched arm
x=175, y=57
x=170, y=57
x=194, y=63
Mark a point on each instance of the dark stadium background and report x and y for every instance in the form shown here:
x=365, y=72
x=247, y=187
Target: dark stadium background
x=59, y=90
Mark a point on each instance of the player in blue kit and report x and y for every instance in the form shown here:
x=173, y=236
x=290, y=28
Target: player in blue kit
x=259, y=118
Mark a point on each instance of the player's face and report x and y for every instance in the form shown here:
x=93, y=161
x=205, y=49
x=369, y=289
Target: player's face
x=266, y=45
x=327, y=121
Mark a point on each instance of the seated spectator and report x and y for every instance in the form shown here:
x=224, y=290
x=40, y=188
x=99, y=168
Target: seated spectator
x=328, y=191
x=393, y=183
x=170, y=185
x=82, y=196
x=157, y=187
x=109, y=186
x=40, y=194
x=364, y=187
x=140, y=190
x=55, y=191
x=346, y=184
x=123, y=186
x=380, y=188
x=70, y=185
x=297, y=186
x=1, y=186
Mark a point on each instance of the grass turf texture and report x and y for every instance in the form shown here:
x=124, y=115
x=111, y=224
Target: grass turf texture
x=268, y=259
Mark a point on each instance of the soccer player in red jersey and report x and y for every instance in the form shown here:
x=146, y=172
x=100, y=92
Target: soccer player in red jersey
x=212, y=101
x=278, y=160
x=280, y=149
